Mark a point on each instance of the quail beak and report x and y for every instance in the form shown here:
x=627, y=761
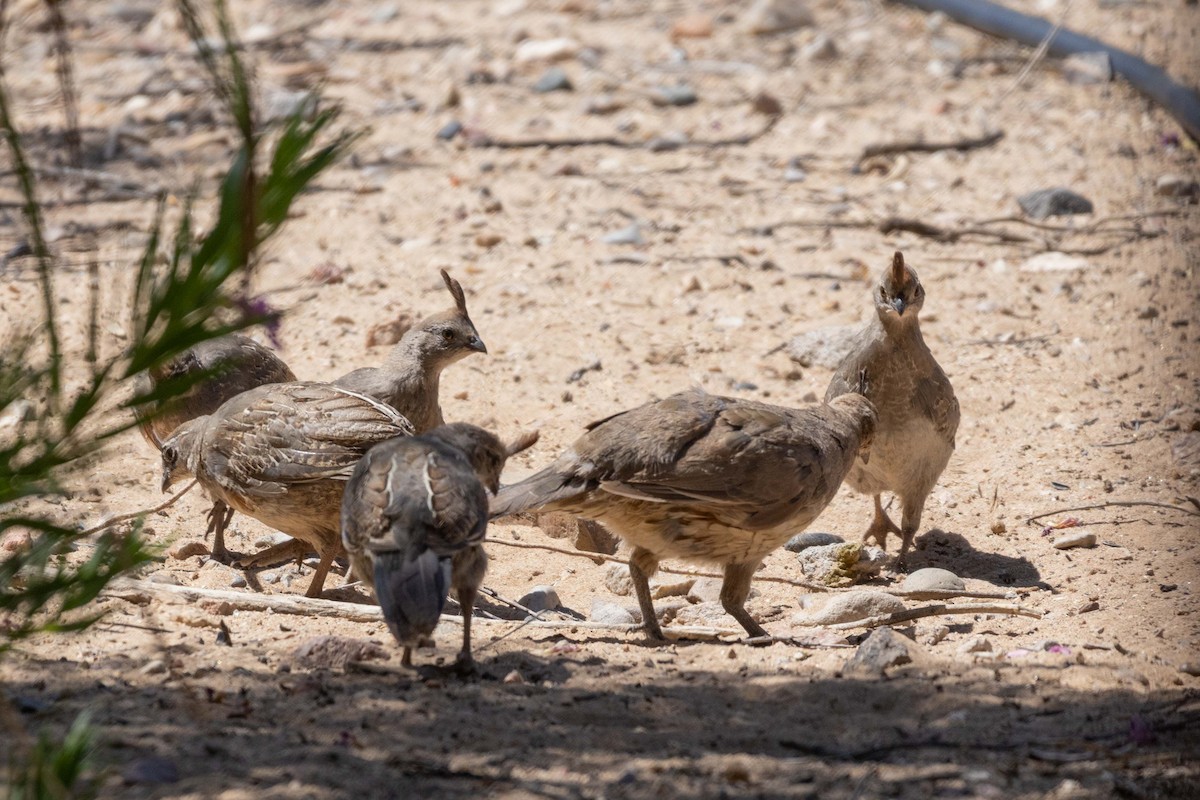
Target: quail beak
x=166, y=480
x=898, y=304
x=476, y=344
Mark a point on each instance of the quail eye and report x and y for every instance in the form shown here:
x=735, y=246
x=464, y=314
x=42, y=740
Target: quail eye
x=447, y=334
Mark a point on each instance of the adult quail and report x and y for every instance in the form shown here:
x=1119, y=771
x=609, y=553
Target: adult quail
x=413, y=520
x=408, y=380
x=918, y=413
x=703, y=478
x=211, y=373
x=282, y=454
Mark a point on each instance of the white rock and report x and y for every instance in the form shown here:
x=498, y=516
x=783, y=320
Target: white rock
x=1075, y=539
x=1054, y=262
x=617, y=580
x=776, y=16
x=541, y=598
x=847, y=607
x=931, y=583
x=674, y=588
x=546, y=50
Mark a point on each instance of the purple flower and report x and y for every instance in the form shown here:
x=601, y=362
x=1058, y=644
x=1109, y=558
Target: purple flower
x=258, y=309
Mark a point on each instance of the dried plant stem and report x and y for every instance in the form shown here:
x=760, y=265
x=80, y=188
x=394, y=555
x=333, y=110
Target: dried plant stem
x=136, y=514
x=938, y=610
x=1114, y=504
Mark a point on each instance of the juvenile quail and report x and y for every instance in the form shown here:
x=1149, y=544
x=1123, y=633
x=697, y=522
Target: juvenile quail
x=918, y=413
x=282, y=454
x=703, y=478
x=413, y=520
x=229, y=365
x=408, y=380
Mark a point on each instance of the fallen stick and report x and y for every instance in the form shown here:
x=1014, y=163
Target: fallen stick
x=1113, y=504
x=917, y=146
x=612, y=141
x=818, y=587
x=935, y=611
x=353, y=612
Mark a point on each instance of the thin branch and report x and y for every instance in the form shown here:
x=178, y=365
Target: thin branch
x=1114, y=504
x=689, y=573
x=612, y=141
x=937, y=610
x=962, y=145
x=137, y=514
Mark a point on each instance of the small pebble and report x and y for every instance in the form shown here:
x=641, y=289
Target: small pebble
x=554, y=79
x=488, y=240
x=450, y=130
x=1075, y=539
x=976, y=644
x=1088, y=607
x=681, y=95
x=1055, y=202
x=514, y=677
x=1149, y=312
x=238, y=582
x=1191, y=668
x=631, y=234
x=603, y=104
x=692, y=26
x=154, y=667
x=1176, y=186
x=609, y=613
x=821, y=48
x=776, y=16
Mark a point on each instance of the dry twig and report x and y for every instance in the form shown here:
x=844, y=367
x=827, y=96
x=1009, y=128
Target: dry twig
x=136, y=514
x=1113, y=504
x=917, y=146
x=934, y=611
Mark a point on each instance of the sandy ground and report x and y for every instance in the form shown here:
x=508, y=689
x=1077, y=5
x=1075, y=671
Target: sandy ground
x=1078, y=385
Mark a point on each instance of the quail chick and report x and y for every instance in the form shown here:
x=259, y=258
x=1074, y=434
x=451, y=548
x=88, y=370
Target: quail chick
x=708, y=479
x=230, y=365
x=282, y=454
x=413, y=520
x=918, y=413
x=408, y=380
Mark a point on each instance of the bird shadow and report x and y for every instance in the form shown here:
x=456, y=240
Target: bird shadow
x=939, y=548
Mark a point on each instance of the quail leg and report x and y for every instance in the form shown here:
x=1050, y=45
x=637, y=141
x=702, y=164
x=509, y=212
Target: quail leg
x=318, y=579
x=734, y=590
x=881, y=526
x=469, y=567
x=218, y=518
x=910, y=522
x=642, y=565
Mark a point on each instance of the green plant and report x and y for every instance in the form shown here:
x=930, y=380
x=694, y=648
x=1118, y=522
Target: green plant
x=56, y=771
x=182, y=297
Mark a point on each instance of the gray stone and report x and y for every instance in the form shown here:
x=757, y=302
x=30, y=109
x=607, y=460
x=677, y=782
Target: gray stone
x=847, y=607
x=705, y=590
x=541, y=598
x=883, y=649
x=1075, y=539
x=841, y=564
x=680, y=95
x=610, y=613
x=811, y=539
x=708, y=614
x=280, y=104
x=823, y=347
x=932, y=583
x=1057, y=202
x=555, y=79
x=238, y=582
x=450, y=130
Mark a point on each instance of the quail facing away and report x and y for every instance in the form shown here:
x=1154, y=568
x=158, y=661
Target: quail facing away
x=703, y=478
x=282, y=454
x=918, y=413
x=231, y=365
x=408, y=380
x=413, y=520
